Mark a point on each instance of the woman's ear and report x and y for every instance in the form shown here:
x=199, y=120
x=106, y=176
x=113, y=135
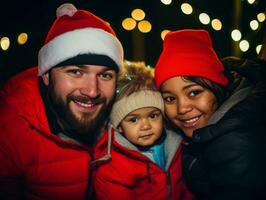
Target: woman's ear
x=45, y=78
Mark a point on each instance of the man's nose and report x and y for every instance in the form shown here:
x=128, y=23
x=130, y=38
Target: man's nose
x=90, y=87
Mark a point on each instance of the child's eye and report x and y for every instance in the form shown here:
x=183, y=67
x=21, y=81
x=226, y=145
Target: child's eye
x=133, y=119
x=155, y=115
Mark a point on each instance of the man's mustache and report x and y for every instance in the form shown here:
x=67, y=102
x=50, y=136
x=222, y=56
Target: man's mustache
x=84, y=99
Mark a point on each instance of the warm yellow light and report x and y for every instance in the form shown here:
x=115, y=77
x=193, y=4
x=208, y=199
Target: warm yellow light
x=261, y=17
x=254, y=24
x=251, y=1
x=186, y=8
x=163, y=33
x=22, y=38
x=258, y=48
x=144, y=26
x=216, y=24
x=5, y=43
x=244, y=45
x=129, y=24
x=166, y=2
x=204, y=18
x=138, y=14
x=236, y=35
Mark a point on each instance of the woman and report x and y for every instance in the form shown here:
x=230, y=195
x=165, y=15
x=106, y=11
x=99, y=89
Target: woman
x=220, y=113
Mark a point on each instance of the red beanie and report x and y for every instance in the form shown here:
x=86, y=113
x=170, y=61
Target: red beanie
x=189, y=53
x=79, y=33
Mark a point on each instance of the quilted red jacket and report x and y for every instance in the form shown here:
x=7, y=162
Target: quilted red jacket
x=130, y=175
x=35, y=163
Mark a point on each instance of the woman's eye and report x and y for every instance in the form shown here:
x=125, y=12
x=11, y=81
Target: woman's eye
x=194, y=93
x=168, y=99
x=154, y=115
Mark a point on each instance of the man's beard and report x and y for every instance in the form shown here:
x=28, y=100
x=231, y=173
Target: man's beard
x=84, y=129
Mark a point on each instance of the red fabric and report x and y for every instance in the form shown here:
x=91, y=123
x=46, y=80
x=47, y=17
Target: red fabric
x=81, y=19
x=189, y=53
x=34, y=163
x=131, y=175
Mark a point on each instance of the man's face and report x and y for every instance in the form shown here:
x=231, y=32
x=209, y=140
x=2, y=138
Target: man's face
x=81, y=96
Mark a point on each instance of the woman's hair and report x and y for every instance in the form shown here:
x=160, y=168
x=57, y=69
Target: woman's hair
x=134, y=77
x=219, y=91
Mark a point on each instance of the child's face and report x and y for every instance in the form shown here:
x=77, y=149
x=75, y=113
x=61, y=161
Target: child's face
x=143, y=126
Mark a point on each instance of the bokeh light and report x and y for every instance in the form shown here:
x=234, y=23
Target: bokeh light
x=138, y=14
x=163, y=33
x=244, y=45
x=22, y=38
x=186, y=8
x=4, y=43
x=129, y=24
x=236, y=35
x=204, y=18
x=144, y=26
x=216, y=24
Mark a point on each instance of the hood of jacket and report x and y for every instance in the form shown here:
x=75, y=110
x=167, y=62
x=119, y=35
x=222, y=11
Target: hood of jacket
x=228, y=116
x=22, y=95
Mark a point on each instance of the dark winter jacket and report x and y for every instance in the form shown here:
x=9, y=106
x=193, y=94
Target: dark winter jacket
x=227, y=159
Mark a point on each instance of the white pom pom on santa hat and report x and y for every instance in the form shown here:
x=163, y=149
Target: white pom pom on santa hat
x=66, y=9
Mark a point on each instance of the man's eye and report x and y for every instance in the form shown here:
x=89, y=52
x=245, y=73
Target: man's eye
x=106, y=76
x=74, y=72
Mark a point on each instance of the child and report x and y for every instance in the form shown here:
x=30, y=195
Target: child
x=145, y=158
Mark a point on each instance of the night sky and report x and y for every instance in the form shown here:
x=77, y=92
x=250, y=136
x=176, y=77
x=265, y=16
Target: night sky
x=36, y=18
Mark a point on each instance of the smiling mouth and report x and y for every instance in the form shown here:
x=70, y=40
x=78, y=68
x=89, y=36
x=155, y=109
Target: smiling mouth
x=85, y=105
x=190, y=122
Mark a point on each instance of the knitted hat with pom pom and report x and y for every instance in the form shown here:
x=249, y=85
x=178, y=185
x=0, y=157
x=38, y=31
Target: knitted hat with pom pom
x=78, y=37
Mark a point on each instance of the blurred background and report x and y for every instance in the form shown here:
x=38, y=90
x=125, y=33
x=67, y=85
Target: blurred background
x=237, y=27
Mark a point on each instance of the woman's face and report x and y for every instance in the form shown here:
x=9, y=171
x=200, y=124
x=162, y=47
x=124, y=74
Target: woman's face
x=187, y=105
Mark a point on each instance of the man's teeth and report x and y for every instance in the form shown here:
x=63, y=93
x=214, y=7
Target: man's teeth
x=86, y=105
x=191, y=120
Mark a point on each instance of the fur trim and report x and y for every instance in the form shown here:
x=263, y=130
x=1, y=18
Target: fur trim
x=78, y=42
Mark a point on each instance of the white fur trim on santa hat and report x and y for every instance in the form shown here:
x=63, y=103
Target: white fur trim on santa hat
x=77, y=42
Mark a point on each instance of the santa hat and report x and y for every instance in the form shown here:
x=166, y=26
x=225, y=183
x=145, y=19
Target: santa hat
x=79, y=37
x=189, y=53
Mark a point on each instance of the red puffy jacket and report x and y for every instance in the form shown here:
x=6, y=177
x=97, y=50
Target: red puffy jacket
x=129, y=175
x=35, y=163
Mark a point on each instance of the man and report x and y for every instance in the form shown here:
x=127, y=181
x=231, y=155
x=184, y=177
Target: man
x=48, y=124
